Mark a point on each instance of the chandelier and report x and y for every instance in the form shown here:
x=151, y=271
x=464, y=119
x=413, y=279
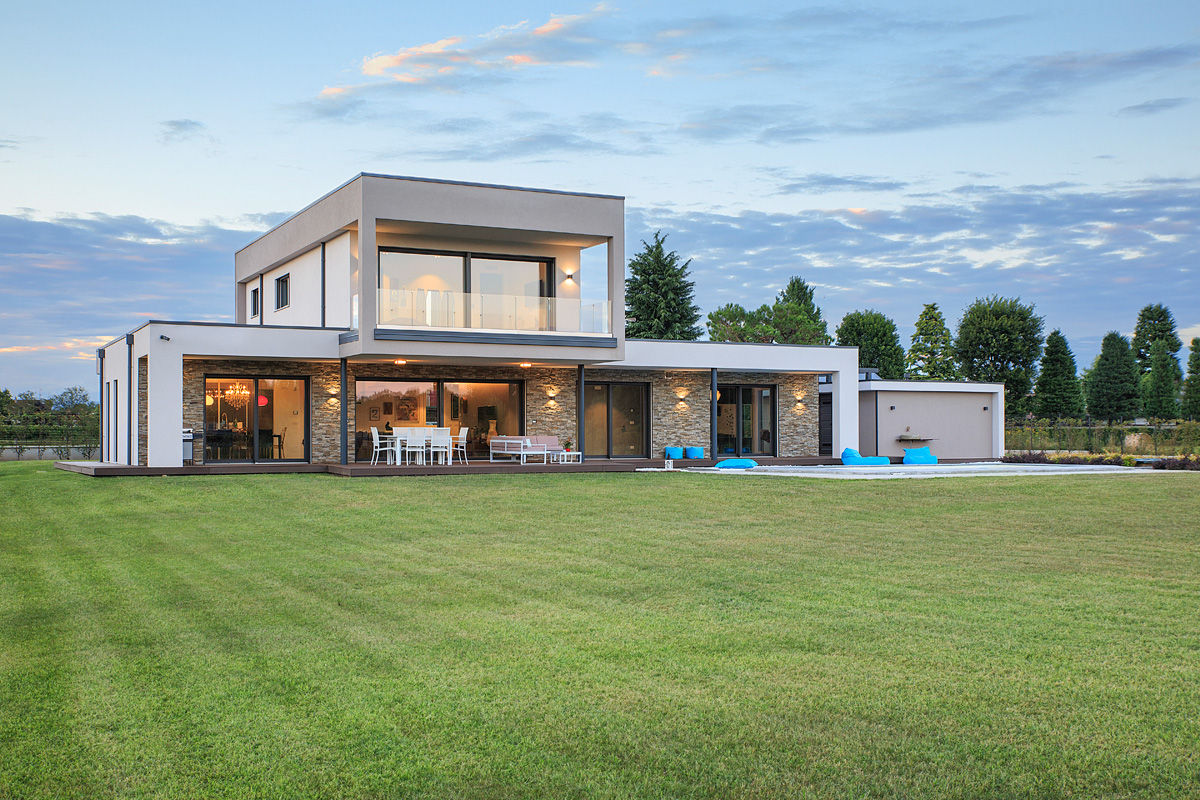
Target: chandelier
x=237, y=395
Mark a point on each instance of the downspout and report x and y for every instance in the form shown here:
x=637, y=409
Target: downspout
x=129, y=399
x=712, y=414
x=344, y=414
x=322, y=284
x=103, y=443
x=579, y=427
x=262, y=301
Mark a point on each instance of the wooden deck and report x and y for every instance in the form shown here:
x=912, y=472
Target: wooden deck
x=363, y=470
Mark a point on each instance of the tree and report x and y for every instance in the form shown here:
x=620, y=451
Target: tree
x=877, y=341
x=796, y=316
x=1058, y=394
x=931, y=355
x=732, y=323
x=659, y=298
x=1160, y=401
x=1112, y=383
x=1155, y=322
x=1191, y=387
x=999, y=339
x=75, y=399
x=793, y=318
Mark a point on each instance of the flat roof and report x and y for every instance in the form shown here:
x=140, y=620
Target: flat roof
x=418, y=179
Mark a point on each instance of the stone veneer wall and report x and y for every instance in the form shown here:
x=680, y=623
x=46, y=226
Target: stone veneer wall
x=324, y=397
x=679, y=399
x=143, y=410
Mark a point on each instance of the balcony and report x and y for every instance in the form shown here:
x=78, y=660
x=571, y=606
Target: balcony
x=446, y=310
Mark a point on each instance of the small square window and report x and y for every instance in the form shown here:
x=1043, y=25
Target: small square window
x=281, y=292
x=254, y=303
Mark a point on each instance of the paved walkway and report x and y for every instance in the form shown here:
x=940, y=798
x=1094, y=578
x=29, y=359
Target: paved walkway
x=895, y=471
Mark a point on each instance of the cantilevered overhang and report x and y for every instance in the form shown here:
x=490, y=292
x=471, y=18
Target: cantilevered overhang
x=671, y=355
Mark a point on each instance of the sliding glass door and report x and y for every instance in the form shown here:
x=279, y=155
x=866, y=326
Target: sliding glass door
x=484, y=409
x=615, y=420
x=746, y=420
x=256, y=419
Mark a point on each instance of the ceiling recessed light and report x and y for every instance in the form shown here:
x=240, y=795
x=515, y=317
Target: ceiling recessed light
x=399, y=362
x=526, y=364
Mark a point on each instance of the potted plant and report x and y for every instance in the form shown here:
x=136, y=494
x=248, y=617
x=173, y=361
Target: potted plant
x=567, y=445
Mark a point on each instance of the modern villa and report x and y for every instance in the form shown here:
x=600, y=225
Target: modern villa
x=489, y=310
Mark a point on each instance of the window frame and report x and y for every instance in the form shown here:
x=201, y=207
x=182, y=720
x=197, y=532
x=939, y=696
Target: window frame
x=283, y=282
x=255, y=303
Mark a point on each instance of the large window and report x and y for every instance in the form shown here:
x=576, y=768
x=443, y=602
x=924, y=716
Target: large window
x=484, y=408
x=465, y=290
x=255, y=419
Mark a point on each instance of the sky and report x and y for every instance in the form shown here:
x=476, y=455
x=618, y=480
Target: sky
x=891, y=154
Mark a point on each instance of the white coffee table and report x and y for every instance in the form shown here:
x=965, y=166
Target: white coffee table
x=567, y=457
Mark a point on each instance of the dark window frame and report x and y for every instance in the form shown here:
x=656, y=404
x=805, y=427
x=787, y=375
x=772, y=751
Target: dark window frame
x=647, y=422
x=739, y=447
x=283, y=291
x=254, y=379
x=255, y=303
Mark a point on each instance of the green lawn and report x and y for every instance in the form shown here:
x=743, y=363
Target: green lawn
x=628, y=635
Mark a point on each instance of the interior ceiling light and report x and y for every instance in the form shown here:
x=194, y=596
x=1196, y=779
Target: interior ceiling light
x=526, y=364
x=399, y=362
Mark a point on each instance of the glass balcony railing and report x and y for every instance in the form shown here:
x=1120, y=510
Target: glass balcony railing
x=421, y=308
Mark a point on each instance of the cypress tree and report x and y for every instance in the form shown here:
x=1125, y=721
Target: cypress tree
x=1057, y=394
x=931, y=355
x=1155, y=322
x=1159, y=402
x=1113, y=382
x=1191, y=387
x=659, y=298
x=877, y=341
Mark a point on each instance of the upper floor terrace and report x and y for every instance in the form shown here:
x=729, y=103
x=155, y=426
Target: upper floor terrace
x=460, y=271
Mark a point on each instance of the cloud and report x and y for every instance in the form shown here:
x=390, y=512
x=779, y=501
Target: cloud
x=75, y=282
x=461, y=61
x=174, y=131
x=1065, y=249
x=602, y=134
x=9, y=144
x=1153, y=106
x=822, y=182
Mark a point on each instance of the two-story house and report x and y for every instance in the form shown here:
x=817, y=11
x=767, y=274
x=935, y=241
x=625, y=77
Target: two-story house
x=497, y=309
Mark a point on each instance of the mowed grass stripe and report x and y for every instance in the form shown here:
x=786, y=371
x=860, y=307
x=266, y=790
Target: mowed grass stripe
x=604, y=635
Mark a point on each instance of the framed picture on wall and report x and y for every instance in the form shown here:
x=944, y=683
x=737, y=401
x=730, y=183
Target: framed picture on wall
x=373, y=413
x=387, y=408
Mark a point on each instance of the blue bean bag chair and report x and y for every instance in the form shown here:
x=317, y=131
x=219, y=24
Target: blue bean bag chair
x=674, y=452
x=853, y=458
x=693, y=452
x=737, y=463
x=919, y=455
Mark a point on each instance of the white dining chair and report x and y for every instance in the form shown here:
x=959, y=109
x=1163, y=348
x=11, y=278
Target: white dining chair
x=378, y=446
x=439, y=445
x=414, y=445
x=460, y=445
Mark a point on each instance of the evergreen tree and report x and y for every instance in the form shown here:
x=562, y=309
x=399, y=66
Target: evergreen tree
x=793, y=318
x=1191, y=387
x=1000, y=339
x=659, y=298
x=1058, y=394
x=796, y=316
x=1161, y=391
x=732, y=323
x=877, y=341
x=931, y=355
x=1112, y=384
x=1155, y=322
